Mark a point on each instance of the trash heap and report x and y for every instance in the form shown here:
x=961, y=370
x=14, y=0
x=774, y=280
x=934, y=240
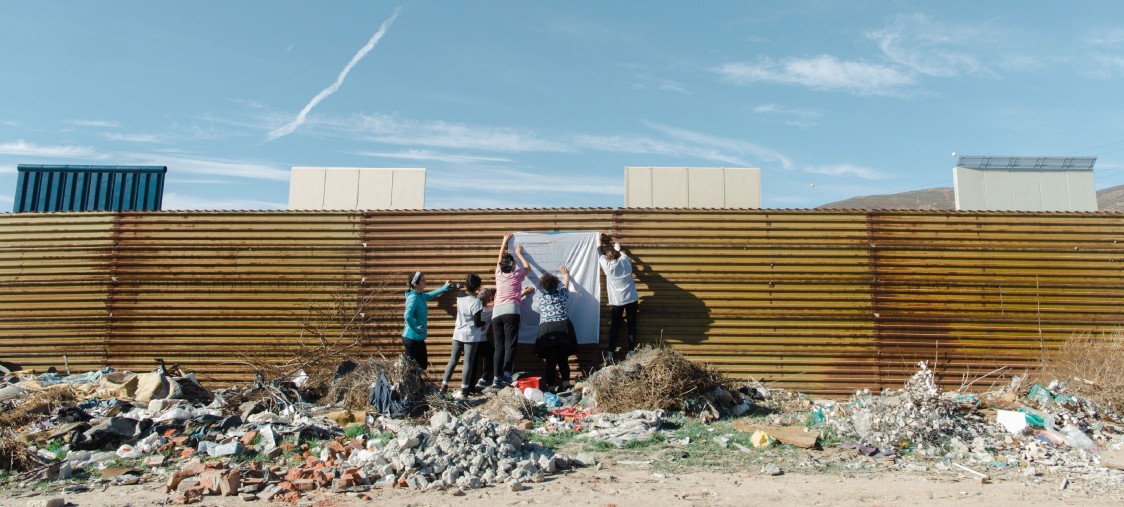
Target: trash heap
x=915, y=416
x=261, y=441
x=662, y=379
x=1038, y=429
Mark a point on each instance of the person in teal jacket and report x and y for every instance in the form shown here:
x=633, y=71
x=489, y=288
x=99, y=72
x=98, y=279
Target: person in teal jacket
x=417, y=318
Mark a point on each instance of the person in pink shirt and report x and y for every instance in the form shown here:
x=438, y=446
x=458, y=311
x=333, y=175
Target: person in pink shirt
x=505, y=311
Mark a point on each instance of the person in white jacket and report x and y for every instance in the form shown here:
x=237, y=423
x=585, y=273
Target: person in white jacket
x=621, y=288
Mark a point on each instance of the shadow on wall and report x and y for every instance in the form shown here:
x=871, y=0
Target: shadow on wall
x=669, y=314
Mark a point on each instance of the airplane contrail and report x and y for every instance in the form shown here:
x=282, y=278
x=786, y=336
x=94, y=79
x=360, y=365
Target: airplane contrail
x=288, y=128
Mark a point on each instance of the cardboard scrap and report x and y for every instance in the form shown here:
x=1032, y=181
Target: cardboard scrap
x=791, y=435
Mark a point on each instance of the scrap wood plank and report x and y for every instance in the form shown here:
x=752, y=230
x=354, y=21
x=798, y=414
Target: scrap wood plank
x=791, y=435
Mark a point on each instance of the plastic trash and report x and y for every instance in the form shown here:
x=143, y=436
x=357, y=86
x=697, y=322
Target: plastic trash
x=861, y=420
x=817, y=415
x=1040, y=395
x=525, y=383
x=175, y=414
x=533, y=394
x=551, y=400
x=300, y=379
x=1077, y=438
x=1013, y=422
x=760, y=439
x=1033, y=418
x=129, y=452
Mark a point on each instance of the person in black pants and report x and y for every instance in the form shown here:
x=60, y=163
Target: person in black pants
x=556, y=340
x=621, y=288
x=468, y=334
x=416, y=318
x=485, y=353
x=505, y=312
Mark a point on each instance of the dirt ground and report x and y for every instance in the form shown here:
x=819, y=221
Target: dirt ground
x=628, y=485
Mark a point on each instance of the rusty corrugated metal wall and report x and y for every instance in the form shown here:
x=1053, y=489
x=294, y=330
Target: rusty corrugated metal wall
x=820, y=300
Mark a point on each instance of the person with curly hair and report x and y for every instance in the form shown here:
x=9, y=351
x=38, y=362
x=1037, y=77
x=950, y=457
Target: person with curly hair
x=556, y=340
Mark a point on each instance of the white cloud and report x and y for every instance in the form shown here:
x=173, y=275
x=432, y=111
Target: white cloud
x=1024, y=63
x=93, y=123
x=1106, y=67
x=797, y=117
x=802, y=112
x=8, y=169
x=735, y=149
x=649, y=82
x=7, y=200
x=865, y=173
x=675, y=142
x=212, y=166
x=514, y=182
x=176, y=201
x=390, y=129
x=203, y=181
x=931, y=48
x=1112, y=37
x=288, y=128
x=131, y=138
x=23, y=148
x=823, y=72
x=428, y=155
x=10, y=123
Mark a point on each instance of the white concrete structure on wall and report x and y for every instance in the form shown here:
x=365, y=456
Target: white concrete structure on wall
x=692, y=187
x=356, y=188
x=1024, y=184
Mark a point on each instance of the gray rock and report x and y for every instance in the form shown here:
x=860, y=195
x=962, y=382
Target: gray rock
x=517, y=486
x=46, y=502
x=440, y=420
x=771, y=469
x=584, y=460
x=229, y=449
x=408, y=442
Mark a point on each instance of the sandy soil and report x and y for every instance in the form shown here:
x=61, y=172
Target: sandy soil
x=629, y=485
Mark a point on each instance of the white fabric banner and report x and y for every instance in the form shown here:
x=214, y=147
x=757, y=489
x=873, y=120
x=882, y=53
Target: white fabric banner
x=546, y=251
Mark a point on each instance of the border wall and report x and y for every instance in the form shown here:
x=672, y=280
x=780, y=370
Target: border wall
x=824, y=301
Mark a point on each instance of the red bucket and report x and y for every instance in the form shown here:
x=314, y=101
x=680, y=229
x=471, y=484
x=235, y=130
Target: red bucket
x=527, y=383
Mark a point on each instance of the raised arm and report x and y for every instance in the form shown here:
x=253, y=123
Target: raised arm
x=431, y=295
x=503, y=248
x=565, y=275
x=523, y=260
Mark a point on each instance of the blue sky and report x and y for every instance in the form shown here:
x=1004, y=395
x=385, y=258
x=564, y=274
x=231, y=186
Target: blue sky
x=521, y=104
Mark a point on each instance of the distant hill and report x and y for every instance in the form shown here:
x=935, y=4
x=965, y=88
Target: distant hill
x=942, y=198
x=1111, y=199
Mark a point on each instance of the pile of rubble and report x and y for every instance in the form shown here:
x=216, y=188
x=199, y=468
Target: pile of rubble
x=916, y=416
x=1037, y=430
x=260, y=441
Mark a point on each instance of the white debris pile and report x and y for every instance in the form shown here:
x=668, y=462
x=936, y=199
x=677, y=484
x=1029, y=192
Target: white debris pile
x=465, y=452
x=620, y=429
x=914, y=416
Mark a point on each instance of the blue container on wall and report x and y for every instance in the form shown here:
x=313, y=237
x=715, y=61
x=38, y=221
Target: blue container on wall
x=45, y=188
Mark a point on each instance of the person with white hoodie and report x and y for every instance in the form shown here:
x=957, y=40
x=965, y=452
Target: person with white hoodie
x=623, y=299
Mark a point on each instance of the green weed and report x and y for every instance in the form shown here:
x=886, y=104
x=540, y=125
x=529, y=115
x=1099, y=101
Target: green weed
x=552, y=440
x=357, y=430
